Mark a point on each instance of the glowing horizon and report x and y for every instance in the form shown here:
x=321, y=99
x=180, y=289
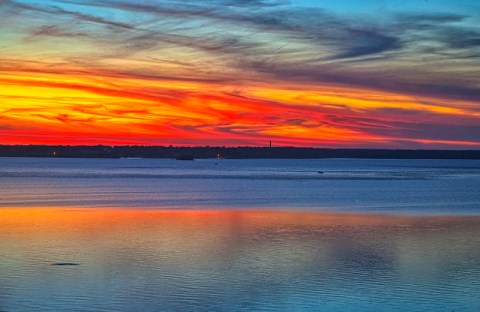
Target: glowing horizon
x=240, y=72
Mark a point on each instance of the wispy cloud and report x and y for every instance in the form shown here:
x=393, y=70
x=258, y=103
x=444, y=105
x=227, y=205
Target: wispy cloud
x=193, y=67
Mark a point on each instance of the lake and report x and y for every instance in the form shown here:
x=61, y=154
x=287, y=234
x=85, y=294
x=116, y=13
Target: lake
x=239, y=235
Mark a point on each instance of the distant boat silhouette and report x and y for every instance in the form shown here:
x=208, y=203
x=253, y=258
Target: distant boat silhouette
x=184, y=157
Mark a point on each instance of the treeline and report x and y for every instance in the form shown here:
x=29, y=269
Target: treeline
x=101, y=151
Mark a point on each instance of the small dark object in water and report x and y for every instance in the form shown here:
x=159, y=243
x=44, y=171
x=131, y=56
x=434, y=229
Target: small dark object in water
x=65, y=263
x=320, y=172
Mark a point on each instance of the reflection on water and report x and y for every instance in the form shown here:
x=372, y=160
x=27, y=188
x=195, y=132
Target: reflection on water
x=137, y=260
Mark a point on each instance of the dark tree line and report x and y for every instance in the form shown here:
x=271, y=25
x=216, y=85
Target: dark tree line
x=101, y=151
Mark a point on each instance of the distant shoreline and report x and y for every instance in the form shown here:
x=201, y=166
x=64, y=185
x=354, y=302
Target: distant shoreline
x=209, y=152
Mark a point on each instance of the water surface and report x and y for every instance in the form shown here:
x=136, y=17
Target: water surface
x=138, y=260
x=354, y=185
x=239, y=235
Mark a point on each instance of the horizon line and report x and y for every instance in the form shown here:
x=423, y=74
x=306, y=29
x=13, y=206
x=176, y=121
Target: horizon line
x=238, y=146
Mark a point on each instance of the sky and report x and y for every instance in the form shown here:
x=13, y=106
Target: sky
x=317, y=73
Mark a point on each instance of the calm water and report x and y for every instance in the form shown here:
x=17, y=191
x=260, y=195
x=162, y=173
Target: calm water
x=398, y=186
x=239, y=235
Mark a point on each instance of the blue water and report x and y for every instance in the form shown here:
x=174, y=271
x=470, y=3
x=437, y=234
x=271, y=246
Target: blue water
x=239, y=235
x=391, y=186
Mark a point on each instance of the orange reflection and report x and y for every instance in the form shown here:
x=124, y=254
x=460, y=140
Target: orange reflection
x=90, y=218
x=277, y=242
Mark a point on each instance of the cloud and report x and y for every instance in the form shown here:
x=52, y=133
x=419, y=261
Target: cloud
x=407, y=82
x=190, y=55
x=366, y=43
x=314, y=26
x=316, y=29
x=459, y=37
x=58, y=12
x=53, y=31
x=245, y=3
x=427, y=20
x=440, y=32
x=308, y=45
x=410, y=124
x=433, y=132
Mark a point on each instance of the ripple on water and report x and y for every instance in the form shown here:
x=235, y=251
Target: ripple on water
x=108, y=260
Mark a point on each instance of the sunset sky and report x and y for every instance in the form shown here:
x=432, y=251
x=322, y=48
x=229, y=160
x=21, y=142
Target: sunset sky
x=356, y=73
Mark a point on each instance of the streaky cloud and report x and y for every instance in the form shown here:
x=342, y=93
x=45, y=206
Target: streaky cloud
x=238, y=71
